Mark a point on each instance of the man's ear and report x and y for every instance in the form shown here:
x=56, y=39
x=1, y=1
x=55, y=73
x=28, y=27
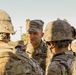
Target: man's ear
x=42, y=34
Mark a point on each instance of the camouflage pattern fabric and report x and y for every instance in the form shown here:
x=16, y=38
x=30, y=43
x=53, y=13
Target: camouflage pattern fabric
x=39, y=54
x=37, y=67
x=36, y=25
x=13, y=62
x=58, y=30
x=74, y=67
x=5, y=23
x=61, y=64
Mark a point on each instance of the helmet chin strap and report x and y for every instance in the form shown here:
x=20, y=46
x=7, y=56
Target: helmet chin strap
x=5, y=37
x=52, y=48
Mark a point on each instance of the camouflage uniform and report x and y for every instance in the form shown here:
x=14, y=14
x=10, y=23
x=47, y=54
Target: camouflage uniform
x=13, y=62
x=17, y=60
x=61, y=34
x=61, y=63
x=39, y=53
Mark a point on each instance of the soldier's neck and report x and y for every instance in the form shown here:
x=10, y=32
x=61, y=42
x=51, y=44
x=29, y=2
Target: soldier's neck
x=35, y=45
x=55, y=50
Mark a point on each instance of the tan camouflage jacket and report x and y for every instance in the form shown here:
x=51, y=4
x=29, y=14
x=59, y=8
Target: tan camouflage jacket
x=13, y=62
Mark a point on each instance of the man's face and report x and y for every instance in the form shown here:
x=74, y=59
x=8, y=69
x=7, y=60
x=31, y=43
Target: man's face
x=35, y=37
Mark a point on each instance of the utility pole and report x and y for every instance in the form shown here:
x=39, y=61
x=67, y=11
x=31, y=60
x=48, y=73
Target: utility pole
x=20, y=31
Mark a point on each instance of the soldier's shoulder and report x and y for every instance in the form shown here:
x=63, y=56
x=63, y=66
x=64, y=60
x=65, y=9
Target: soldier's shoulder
x=37, y=67
x=18, y=61
x=54, y=68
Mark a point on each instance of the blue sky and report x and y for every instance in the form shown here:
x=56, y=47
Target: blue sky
x=47, y=10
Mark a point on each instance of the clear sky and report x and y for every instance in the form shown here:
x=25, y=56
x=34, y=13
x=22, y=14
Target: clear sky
x=47, y=10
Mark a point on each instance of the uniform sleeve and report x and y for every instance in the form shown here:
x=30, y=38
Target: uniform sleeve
x=54, y=69
x=38, y=69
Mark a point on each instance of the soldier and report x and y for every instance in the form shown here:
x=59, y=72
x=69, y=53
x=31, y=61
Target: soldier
x=13, y=62
x=59, y=35
x=20, y=46
x=36, y=48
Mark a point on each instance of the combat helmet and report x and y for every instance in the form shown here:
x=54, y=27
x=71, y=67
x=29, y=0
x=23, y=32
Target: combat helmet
x=5, y=23
x=58, y=30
